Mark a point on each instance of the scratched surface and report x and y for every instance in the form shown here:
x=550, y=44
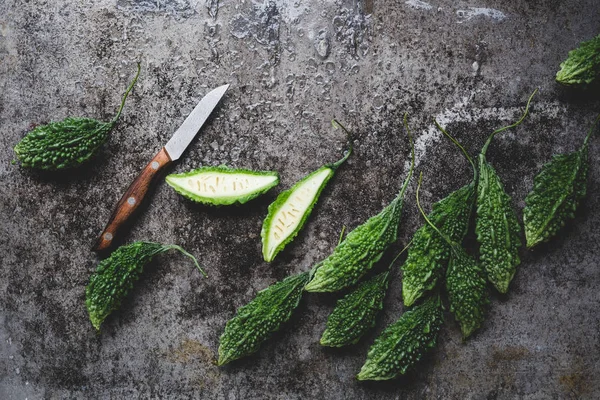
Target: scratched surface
x=292, y=66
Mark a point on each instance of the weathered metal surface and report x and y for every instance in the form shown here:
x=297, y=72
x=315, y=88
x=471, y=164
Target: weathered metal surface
x=293, y=66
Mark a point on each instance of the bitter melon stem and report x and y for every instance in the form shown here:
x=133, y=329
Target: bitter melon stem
x=339, y=162
x=587, y=137
x=114, y=120
x=487, y=143
x=468, y=157
x=182, y=250
x=412, y=159
x=444, y=236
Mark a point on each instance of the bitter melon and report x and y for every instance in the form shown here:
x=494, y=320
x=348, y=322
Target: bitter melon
x=222, y=185
x=115, y=276
x=289, y=212
x=67, y=143
x=557, y=191
x=403, y=343
x=257, y=320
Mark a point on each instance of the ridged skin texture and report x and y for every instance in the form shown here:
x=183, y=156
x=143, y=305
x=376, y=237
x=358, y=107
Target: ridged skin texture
x=582, y=66
x=257, y=320
x=115, y=276
x=403, y=343
x=63, y=144
x=219, y=201
x=355, y=314
x=357, y=253
x=429, y=252
x=497, y=228
x=466, y=291
x=557, y=191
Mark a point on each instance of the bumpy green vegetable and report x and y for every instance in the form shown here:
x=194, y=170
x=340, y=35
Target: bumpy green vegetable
x=222, y=185
x=466, y=291
x=363, y=247
x=115, y=276
x=557, y=191
x=582, y=66
x=497, y=227
x=429, y=252
x=67, y=143
x=355, y=313
x=464, y=281
x=289, y=212
x=254, y=322
x=403, y=343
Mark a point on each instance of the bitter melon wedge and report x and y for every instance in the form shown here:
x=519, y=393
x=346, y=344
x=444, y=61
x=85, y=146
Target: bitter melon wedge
x=289, y=212
x=222, y=185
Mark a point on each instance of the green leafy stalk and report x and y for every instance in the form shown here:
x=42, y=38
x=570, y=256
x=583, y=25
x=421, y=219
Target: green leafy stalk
x=115, y=276
x=429, y=253
x=403, y=343
x=256, y=321
x=290, y=211
x=67, y=143
x=364, y=246
x=557, y=191
x=497, y=227
x=582, y=66
x=464, y=281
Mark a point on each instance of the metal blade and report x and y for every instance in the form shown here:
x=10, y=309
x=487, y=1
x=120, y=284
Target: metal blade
x=192, y=124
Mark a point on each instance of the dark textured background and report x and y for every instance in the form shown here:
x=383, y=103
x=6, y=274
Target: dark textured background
x=293, y=66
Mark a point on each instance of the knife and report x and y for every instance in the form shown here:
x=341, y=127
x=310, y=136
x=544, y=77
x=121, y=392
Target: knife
x=174, y=148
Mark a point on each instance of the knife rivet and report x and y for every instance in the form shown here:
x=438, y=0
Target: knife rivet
x=154, y=164
x=131, y=201
x=108, y=236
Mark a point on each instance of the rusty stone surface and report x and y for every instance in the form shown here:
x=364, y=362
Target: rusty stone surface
x=292, y=66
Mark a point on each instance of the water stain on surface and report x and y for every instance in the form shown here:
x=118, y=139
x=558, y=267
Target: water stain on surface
x=507, y=354
x=190, y=350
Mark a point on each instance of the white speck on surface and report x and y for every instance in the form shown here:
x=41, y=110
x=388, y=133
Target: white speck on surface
x=419, y=5
x=472, y=12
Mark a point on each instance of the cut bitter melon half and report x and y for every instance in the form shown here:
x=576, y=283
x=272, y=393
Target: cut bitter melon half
x=290, y=210
x=222, y=185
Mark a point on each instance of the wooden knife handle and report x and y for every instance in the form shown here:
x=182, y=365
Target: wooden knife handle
x=132, y=199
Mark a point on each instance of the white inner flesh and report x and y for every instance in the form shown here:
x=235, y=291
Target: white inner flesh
x=289, y=215
x=218, y=185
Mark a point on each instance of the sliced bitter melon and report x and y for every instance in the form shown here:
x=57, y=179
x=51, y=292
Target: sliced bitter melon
x=288, y=213
x=222, y=185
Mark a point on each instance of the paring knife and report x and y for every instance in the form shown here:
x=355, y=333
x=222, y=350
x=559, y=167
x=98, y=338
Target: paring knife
x=171, y=152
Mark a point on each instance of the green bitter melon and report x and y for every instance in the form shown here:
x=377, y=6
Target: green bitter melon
x=67, y=143
x=257, y=320
x=557, y=191
x=464, y=281
x=403, y=343
x=497, y=227
x=429, y=252
x=114, y=277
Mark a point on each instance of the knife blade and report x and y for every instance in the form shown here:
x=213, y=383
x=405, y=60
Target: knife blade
x=172, y=151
